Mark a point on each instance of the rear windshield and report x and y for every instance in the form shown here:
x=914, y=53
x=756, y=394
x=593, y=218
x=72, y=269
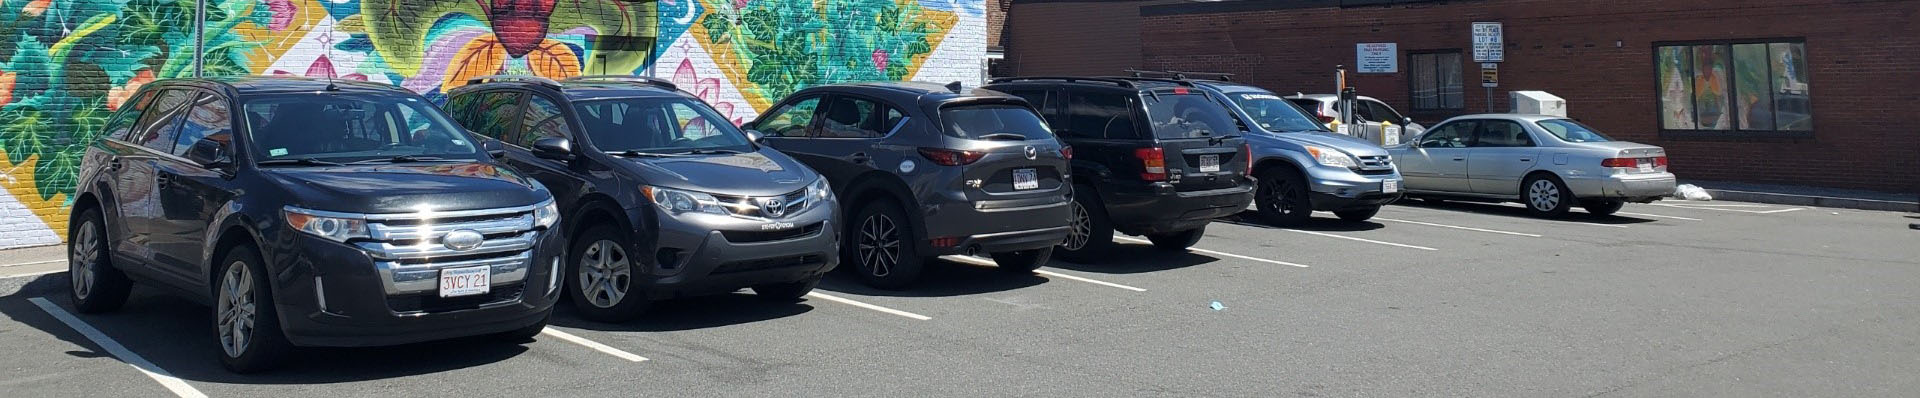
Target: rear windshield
x=994, y=122
x=1191, y=115
x=1572, y=131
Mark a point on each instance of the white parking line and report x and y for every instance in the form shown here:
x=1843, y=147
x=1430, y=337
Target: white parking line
x=33, y=263
x=1723, y=207
x=986, y=262
x=837, y=299
x=596, y=346
x=1316, y=233
x=1219, y=253
x=179, y=387
x=1458, y=227
x=1657, y=216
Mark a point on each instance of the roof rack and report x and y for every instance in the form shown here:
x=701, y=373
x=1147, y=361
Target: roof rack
x=663, y=83
x=508, y=78
x=1154, y=79
x=1180, y=75
x=1108, y=80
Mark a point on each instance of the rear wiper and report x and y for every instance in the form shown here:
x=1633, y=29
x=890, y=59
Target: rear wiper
x=401, y=159
x=296, y=161
x=637, y=154
x=1003, y=137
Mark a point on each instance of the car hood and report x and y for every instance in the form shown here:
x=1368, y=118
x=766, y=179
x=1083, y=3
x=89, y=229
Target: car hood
x=763, y=172
x=410, y=187
x=1350, y=145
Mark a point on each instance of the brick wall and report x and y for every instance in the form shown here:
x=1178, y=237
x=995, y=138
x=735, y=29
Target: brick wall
x=1074, y=38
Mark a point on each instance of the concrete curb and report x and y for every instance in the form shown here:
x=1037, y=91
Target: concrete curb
x=24, y=286
x=1810, y=200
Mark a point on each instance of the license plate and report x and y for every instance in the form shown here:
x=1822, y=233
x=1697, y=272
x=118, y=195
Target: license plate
x=1209, y=163
x=456, y=282
x=1025, y=179
x=1646, y=165
x=1390, y=186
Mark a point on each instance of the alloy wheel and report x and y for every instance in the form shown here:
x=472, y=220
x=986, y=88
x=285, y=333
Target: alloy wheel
x=879, y=245
x=1543, y=195
x=81, y=261
x=605, y=273
x=236, y=309
x=1082, y=228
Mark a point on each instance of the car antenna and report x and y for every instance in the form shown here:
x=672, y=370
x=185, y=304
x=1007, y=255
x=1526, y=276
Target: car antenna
x=329, y=45
x=954, y=87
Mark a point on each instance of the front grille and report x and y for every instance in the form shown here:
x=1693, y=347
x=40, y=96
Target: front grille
x=1374, y=172
x=753, y=206
x=409, y=251
x=1376, y=163
x=767, y=236
x=769, y=263
x=432, y=302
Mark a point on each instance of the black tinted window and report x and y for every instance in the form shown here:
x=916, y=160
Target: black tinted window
x=1311, y=105
x=156, y=128
x=494, y=114
x=1451, y=135
x=1189, y=115
x=542, y=120
x=849, y=117
x=1043, y=101
x=1091, y=115
x=1502, y=133
x=994, y=122
x=209, y=116
x=1380, y=112
x=351, y=127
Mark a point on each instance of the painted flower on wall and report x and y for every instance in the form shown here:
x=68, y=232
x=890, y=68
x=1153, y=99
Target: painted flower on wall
x=322, y=67
x=6, y=87
x=409, y=35
x=708, y=89
x=283, y=12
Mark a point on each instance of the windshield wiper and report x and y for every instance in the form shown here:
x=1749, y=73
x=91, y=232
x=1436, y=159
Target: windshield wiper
x=714, y=152
x=401, y=159
x=632, y=153
x=1003, y=137
x=296, y=161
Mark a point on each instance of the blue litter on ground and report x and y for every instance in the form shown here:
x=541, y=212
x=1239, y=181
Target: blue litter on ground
x=1217, y=306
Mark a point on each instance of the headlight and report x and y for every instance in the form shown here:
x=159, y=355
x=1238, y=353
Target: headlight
x=1332, y=157
x=546, y=215
x=337, y=229
x=681, y=202
x=819, y=192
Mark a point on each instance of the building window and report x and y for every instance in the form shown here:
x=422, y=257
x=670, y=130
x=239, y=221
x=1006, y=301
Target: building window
x=1435, y=80
x=1734, y=86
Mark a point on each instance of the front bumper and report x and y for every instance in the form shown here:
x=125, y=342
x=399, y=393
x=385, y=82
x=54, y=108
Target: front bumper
x=1342, y=189
x=695, y=256
x=332, y=294
x=1160, y=209
x=1630, y=187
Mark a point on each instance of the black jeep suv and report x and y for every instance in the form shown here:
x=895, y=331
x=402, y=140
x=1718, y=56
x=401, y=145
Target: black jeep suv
x=1152, y=157
x=662, y=196
x=929, y=170
x=310, y=213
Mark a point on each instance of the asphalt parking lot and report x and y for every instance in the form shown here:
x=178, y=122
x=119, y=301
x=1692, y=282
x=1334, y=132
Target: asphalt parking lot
x=1666, y=299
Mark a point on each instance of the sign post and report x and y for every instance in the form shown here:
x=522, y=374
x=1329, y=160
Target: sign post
x=1489, y=49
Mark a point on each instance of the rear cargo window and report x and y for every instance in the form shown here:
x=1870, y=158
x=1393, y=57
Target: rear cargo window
x=1188, y=115
x=994, y=122
x=1572, y=131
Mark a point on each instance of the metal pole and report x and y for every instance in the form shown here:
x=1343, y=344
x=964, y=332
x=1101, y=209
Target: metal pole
x=199, y=36
x=1489, y=99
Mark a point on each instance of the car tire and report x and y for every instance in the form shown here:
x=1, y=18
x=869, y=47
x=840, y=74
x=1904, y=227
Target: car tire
x=1177, y=241
x=1545, y=196
x=1282, y=198
x=1024, y=261
x=96, y=285
x=1357, y=215
x=1090, y=232
x=786, y=292
x=600, y=277
x=246, y=322
x=1603, y=207
x=881, y=243
x=525, y=334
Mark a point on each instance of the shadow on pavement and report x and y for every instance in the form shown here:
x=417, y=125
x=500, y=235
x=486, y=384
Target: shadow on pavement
x=1134, y=258
x=1316, y=224
x=942, y=278
x=690, y=313
x=1521, y=212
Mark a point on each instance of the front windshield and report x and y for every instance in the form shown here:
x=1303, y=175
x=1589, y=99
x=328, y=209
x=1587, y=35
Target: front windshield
x=1572, y=131
x=1177, y=114
x=658, y=125
x=352, y=127
x=1274, y=114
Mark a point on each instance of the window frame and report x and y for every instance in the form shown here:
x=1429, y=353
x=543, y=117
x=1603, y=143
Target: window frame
x=1413, y=105
x=1733, y=92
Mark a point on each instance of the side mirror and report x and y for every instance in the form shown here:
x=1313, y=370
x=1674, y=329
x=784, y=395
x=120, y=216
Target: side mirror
x=755, y=136
x=555, y=148
x=1407, y=121
x=210, y=154
x=494, y=148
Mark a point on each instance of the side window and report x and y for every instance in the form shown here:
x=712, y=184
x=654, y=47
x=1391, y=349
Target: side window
x=791, y=120
x=1043, y=101
x=1092, y=115
x=1451, y=135
x=495, y=114
x=1502, y=133
x=543, y=119
x=210, y=117
x=130, y=112
x=849, y=117
x=460, y=107
x=1311, y=105
x=155, y=130
x=894, y=117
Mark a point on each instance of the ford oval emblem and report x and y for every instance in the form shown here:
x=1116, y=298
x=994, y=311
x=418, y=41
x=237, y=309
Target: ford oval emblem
x=463, y=240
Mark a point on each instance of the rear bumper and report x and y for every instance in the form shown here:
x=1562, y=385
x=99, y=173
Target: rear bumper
x=696, y=259
x=1632, y=188
x=1159, y=209
x=981, y=227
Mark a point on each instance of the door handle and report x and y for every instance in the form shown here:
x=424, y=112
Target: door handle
x=1526, y=159
x=1460, y=159
x=860, y=157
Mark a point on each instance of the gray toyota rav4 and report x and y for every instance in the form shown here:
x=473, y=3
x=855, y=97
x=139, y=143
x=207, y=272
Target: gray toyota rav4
x=661, y=195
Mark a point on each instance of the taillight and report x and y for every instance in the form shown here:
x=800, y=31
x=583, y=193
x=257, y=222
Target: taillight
x=1325, y=119
x=1660, y=161
x=1155, y=162
x=1066, y=152
x=949, y=157
x=1620, y=162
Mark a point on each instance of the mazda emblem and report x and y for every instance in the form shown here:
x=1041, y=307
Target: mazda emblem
x=774, y=206
x=1032, y=153
x=463, y=240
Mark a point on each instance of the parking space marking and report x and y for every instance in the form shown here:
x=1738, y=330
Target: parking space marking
x=179, y=387
x=1458, y=227
x=1729, y=207
x=1317, y=233
x=1219, y=253
x=33, y=263
x=1657, y=216
x=837, y=299
x=986, y=262
x=596, y=346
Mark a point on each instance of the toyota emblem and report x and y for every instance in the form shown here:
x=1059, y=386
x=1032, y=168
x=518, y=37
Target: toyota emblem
x=1032, y=153
x=773, y=206
x=463, y=240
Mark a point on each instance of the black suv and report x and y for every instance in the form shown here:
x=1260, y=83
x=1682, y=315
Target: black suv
x=929, y=170
x=662, y=195
x=1152, y=157
x=310, y=213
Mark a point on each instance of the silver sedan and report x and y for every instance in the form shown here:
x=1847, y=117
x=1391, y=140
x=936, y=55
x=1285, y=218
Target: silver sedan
x=1548, y=163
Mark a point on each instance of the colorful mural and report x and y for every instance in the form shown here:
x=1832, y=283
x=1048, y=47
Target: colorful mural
x=66, y=65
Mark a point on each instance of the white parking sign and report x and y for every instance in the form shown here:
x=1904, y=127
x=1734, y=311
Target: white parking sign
x=1488, y=43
